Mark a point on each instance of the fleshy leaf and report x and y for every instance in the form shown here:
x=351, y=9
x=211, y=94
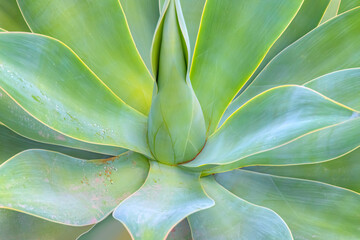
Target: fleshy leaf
x=331, y=10
x=176, y=126
x=232, y=41
x=234, y=218
x=312, y=210
x=11, y=18
x=305, y=20
x=168, y=195
x=68, y=190
x=269, y=120
x=18, y=226
x=347, y=5
x=342, y=86
x=342, y=171
x=142, y=17
x=51, y=83
x=12, y=144
x=340, y=34
x=107, y=229
x=18, y=120
x=98, y=32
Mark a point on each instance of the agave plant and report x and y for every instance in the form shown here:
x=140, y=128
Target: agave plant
x=179, y=119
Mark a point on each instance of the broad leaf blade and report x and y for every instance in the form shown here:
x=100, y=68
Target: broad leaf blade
x=18, y=120
x=309, y=57
x=312, y=210
x=51, y=83
x=331, y=10
x=11, y=18
x=234, y=218
x=168, y=195
x=68, y=190
x=347, y=5
x=269, y=120
x=342, y=171
x=98, y=32
x=12, y=144
x=16, y=226
x=225, y=56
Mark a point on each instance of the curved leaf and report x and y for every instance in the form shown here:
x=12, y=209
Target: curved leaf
x=234, y=218
x=16, y=226
x=18, y=120
x=331, y=10
x=168, y=195
x=312, y=210
x=330, y=47
x=142, y=16
x=269, y=120
x=98, y=32
x=68, y=190
x=11, y=18
x=12, y=143
x=48, y=80
x=305, y=20
x=342, y=171
x=181, y=231
x=224, y=58
x=107, y=229
x=342, y=86
x=346, y=5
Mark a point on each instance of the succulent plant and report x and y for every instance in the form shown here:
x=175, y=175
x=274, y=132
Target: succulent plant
x=179, y=119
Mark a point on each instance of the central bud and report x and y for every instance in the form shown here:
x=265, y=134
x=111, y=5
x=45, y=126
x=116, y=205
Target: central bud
x=176, y=126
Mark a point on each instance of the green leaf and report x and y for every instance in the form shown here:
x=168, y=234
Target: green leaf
x=16, y=226
x=107, y=229
x=346, y=5
x=307, y=18
x=331, y=10
x=18, y=120
x=312, y=210
x=142, y=17
x=342, y=86
x=176, y=126
x=269, y=120
x=192, y=13
x=342, y=171
x=168, y=195
x=341, y=34
x=226, y=56
x=68, y=190
x=317, y=146
x=234, y=218
x=11, y=18
x=98, y=32
x=48, y=81
x=12, y=143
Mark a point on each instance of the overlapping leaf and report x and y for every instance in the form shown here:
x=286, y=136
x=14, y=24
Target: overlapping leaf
x=68, y=190
x=11, y=18
x=311, y=209
x=98, y=32
x=48, y=81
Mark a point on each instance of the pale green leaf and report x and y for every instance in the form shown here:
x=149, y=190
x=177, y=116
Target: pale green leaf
x=168, y=195
x=11, y=18
x=234, y=218
x=68, y=190
x=269, y=120
x=98, y=32
x=343, y=171
x=51, y=83
x=142, y=16
x=12, y=143
x=330, y=47
x=19, y=226
x=18, y=120
x=312, y=210
x=233, y=39
x=331, y=10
